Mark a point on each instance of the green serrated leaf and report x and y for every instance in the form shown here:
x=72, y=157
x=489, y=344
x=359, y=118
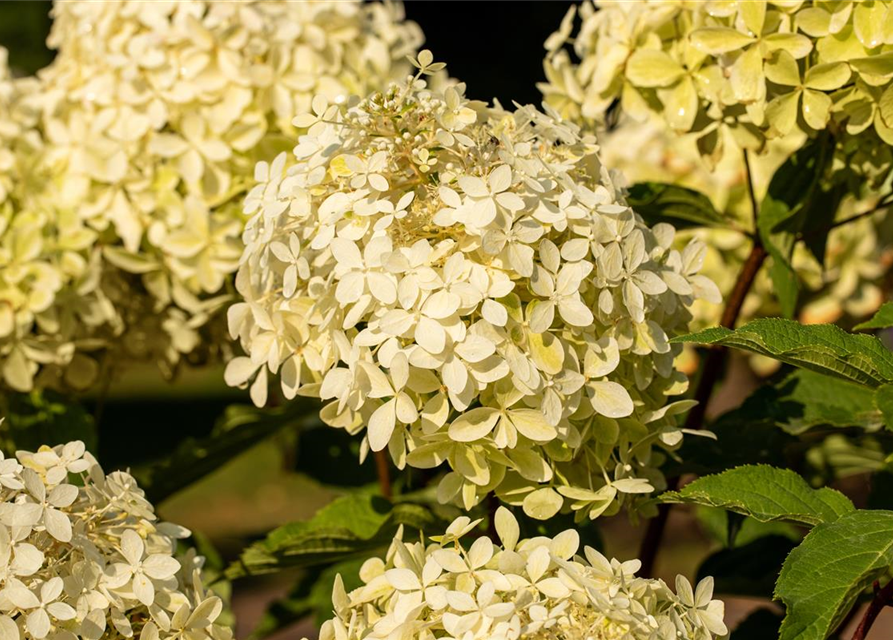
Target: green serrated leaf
x=822, y=578
x=351, y=526
x=240, y=427
x=679, y=206
x=765, y=494
x=823, y=348
x=883, y=319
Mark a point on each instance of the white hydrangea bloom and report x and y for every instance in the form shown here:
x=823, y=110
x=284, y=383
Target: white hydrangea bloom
x=858, y=253
x=88, y=559
x=536, y=589
x=141, y=139
x=466, y=285
x=48, y=273
x=681, y=88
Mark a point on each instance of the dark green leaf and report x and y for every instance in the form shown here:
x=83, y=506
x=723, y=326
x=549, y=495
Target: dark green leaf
x=762, y=624
x=806, y=399
x=351, y=526
x=779, y=221
x=819, y=220
x=45, y=418
x=331, y=457
x=716, y=524
x=881, y=494
x=822, y=578
x=679, y=206
x=239, y=428
x=883, y=400
x=24, y=27
x=765, y=494
x=823, y=348
x=883, y=319
x=785, y=284
x=743, y=436
x=748, y=570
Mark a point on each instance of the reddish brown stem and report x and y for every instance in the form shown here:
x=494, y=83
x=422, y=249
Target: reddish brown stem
x=710, y=374
x=716, y=356
x=882, y=598
x=654, y=533
x=383, y=470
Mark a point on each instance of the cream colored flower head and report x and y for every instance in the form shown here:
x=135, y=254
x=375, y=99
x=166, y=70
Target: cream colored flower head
x=143, y=137
x=857, y=256
x=736, y=72
x=465, y=285
x=537, y=589
x=83, y=556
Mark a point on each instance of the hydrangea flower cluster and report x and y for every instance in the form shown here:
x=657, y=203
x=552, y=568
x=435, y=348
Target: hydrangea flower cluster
x=734, y=71
x=82, y=556
x=141, y=138
x=858, y=253
x=465, y=284
x=536, y=589
x=694, y=80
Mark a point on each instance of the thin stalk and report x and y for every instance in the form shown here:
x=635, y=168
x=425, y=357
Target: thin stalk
x=383, y=470
x=710, y=374
x=882, y=598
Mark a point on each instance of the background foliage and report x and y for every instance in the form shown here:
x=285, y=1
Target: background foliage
x=825, y=416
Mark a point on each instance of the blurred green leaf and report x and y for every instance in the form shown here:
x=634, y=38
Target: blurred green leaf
x=351, y=526
x=881, y=494
x=679, y=206
x=331, y=457
x=743, y=436
x=821, y=214
x=883, y=319
x=806, y=399
x=24, y=26
x=748, y=570
x=883, y=400
x=715, y=522
x=765, y=494
x=45, y=418
x=824, y=348
x=762, y=624
x=783, y=213
x=240, y=427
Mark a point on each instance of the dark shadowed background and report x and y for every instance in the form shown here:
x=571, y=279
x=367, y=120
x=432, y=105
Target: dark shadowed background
x=493, y=46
